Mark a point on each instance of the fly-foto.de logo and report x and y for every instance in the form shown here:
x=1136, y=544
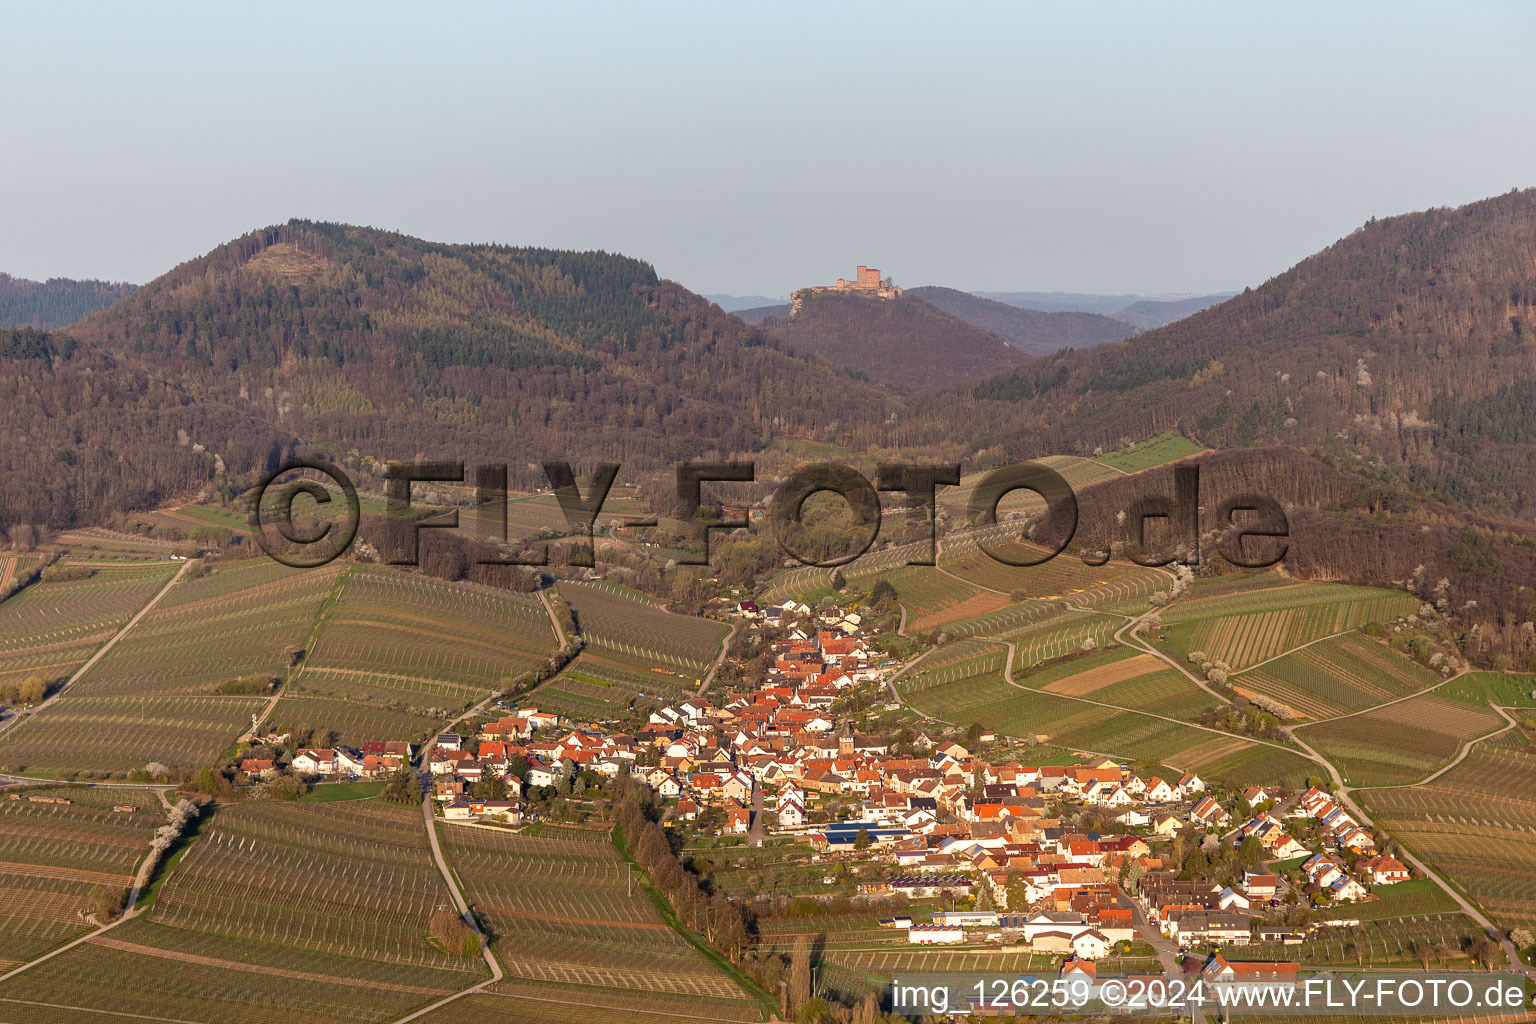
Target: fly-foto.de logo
x=316, y=540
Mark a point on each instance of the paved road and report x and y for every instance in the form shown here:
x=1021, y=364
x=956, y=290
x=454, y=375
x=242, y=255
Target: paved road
x=755, y=833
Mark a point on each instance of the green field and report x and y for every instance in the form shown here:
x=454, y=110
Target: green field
x=974, y=690
x=1505, y=689
x=1169, y=446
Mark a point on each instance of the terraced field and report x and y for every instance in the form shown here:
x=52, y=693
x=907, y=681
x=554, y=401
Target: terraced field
x=116, y=735
x=563, y=911
x=1400, y=743
x=1337, y=676
x=53, y=628
x=237, y=620
x=630, y=628
x=1477, y=824
x=53, y=856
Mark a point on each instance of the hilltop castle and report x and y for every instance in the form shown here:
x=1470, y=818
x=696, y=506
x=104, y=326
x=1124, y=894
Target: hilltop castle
x=866, y=281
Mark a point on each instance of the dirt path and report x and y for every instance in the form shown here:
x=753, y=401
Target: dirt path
x=725, y=647
x=459, y=903
x=277, y=972
x=101, y=651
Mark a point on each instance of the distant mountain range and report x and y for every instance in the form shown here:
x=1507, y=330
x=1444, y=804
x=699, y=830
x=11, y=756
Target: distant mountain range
x=55, y=302
x=1030, y=334
x=1031, y=330
x=737, y=303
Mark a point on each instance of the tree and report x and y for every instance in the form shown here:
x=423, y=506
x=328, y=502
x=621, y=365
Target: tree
x=106, y=903
x=861, y=841
x=973, y=735
x=800, y=973
x=491, y=787
x=32, y=689
x=450, y=931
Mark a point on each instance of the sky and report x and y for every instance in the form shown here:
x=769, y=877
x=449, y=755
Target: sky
x=752, y=149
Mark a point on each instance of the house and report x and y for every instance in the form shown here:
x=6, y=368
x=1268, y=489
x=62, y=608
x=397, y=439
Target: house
x=257, y=765
x=687, y=808
x=1259, y=885
x=738, y=819
x=1219, y=968
x=449, y=741
x=1208, y=812
x=315, y=761
x=1091, y=945
x=349, y=762
x=1191, y=784
x=1159, y=792
x=935, y=934
x=1384, y=870
x=502, y=810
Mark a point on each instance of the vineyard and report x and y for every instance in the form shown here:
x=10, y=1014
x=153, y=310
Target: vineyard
x=52, y=856
x=147, y=971
x=351, y=879
x=626, y=629
x=52, y=628
x=601, y=686
x=545, y=1003
x=1477, y=824
x=238, y=620
x=1337, y=676
x=568, y=911
x=1505, y=690
x=1243, y=638
x=1065, y=576
x=1400, y=743
x=116, y=735
x=974, y=691
x=396, y=654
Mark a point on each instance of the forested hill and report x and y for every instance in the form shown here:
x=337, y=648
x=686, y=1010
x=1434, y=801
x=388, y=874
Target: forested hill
x=1408, y=348
x=88, y=436
x=396, y=346
x=55, y=302
x=904, y=342
x=1036, y=332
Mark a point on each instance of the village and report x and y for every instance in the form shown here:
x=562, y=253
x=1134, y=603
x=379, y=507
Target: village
x=1080, y=860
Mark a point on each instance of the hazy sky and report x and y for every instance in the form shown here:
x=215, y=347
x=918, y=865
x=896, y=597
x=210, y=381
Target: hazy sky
x=1141, y=148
